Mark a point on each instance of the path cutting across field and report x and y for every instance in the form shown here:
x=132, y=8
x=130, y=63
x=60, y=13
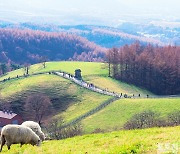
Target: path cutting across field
x=94, y=88
x=89, y=86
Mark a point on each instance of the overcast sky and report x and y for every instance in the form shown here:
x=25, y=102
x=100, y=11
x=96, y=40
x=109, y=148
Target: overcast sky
x=77, y=11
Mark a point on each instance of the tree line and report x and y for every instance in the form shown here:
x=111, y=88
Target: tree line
x=152, y=67
x=29, y=46
x=7, y=67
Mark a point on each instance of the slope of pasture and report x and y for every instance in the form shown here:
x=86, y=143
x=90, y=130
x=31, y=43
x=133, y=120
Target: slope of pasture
x=135, y=141
x=88, y=68
x=117, y=86
x=65, y=95
x=119, y=112
x=96, y=73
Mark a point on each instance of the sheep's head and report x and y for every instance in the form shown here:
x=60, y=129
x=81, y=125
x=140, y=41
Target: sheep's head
x=42, y=136
x=36, y=140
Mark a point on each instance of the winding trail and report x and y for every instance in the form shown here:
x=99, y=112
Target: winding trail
x=89, y=86
x=104, y=104
x=94, y=88
x=86, y=85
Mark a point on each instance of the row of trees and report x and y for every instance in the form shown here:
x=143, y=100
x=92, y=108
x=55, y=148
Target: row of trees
x=4, y=68
x=7, y=67
x=154, y=68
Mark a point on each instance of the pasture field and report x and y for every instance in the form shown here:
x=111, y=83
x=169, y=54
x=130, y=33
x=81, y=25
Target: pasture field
x=114, y=116
x=150, y=141
x=72, y=101
x=69, y=99
x=96, y=73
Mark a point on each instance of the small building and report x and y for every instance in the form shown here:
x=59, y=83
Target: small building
x=78, y=74
x=8, y=117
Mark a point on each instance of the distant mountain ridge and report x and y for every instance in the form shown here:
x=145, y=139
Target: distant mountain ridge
x=108, y=37
x=31, y=41
x=28, y=46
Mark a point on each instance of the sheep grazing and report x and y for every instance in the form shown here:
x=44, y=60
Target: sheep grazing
x=35, y=127
x=18, y=134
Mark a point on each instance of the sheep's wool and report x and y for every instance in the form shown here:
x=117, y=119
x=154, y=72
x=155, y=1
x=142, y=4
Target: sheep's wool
x=14, y=134
x=35, y=127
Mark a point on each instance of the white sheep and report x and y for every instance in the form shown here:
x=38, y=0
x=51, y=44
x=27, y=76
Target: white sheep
x=35, y=127
x=18, y=134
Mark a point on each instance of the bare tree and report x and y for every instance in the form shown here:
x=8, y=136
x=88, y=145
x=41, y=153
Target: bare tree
x=55, y=129
x=4, y=105
x=26, y=68
x=37, y=107
x=109, y=61
x=44, y=59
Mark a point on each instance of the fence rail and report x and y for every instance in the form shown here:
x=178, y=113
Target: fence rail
x=91, y=112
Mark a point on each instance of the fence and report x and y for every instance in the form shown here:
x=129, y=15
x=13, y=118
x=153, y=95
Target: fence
x=91, y=112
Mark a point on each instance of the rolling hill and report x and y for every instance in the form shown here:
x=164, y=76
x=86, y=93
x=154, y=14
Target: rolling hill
x=65, y=95
x=114, y=116
x=69, y=99
x=96, y=73
x=72, y=101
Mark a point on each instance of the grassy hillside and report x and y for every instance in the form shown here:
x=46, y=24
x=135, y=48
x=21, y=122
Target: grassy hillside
x=72, y=101
x=88, y=68
x=57, y=87
x=96, y=73
x=66, y=96
x=116, y=114
x=135, y=141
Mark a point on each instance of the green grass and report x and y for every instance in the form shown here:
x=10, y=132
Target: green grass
x=88, y=101
x=77, y=101
x=117, y=86
x=122, y=142
x=13, y=87
x=88, y=68
x=73, y=99
x=96, y=73
x=115, y=115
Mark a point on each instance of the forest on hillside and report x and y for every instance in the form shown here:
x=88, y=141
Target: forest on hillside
x=28, y=46
x=154, y=68
x=7, y=67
